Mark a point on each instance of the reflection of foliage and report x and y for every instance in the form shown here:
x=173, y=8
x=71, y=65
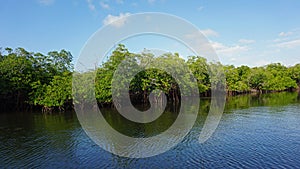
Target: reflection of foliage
x=121, y=124
x=270, y=99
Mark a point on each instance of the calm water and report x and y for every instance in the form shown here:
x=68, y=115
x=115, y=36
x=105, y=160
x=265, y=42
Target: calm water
x=254, y=132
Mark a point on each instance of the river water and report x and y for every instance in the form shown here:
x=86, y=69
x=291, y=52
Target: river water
x=255, y=131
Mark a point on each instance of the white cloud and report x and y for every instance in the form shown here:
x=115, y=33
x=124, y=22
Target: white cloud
x=261, y=62
x=91, y=5
x=46, y=2
x=284, y=34
x=280, y=39
x=104, y=5
x=209, y=32
x=228, y=53
x=116, y=21
x=222, y=49
x=246, y=41
x=287, y=39
x=231, y=54
x=289, y=44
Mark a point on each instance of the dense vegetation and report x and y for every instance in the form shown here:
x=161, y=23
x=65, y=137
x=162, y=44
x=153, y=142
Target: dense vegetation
x=30, y=79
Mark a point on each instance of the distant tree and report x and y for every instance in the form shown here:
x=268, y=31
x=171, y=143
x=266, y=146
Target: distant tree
x=294, y=73
x=278, y=78
x=257, y=78
x=199, y=67
x=16, y=75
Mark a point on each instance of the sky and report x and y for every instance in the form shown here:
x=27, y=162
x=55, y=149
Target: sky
x=253, y=33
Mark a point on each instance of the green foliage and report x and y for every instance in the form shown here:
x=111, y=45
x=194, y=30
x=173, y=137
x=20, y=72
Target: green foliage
x=258, y=78
x=35, y=78
x=16, y=72
x=278, y=78
x=46, y=80
x=55, y=94
x=273, y=77
x=199, y=68
x=105, y=74
x=237, y=79
x=294, y=73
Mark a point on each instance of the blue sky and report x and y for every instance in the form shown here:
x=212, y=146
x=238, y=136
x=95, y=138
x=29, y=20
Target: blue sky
x=251, y=33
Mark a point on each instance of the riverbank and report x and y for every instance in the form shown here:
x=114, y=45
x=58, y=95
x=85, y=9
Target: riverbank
x=9, y=106
x=31, y=80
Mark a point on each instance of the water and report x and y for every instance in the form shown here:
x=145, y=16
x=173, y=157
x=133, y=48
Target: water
x=254, y=132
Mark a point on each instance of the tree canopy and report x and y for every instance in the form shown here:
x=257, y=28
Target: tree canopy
x=34, y=79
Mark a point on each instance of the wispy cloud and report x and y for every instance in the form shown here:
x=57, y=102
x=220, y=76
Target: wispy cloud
x=227, y=52
x=45, y=2
x=287, y=35
x=116, y=21
x=284, y=34
x=209, y=33
x=288, y=40
x=230, y=54
x=280, y=39
x=289, y=44
x=91, y=5
x=246, y=41
x=104, y=5
x=223, y=49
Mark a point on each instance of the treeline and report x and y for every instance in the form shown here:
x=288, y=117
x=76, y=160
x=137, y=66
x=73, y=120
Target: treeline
x=34, y=80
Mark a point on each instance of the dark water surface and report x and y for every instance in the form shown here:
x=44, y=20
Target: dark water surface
x=254, y=132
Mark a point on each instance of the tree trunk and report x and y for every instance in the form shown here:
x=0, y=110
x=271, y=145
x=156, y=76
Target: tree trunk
x=145, y=96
